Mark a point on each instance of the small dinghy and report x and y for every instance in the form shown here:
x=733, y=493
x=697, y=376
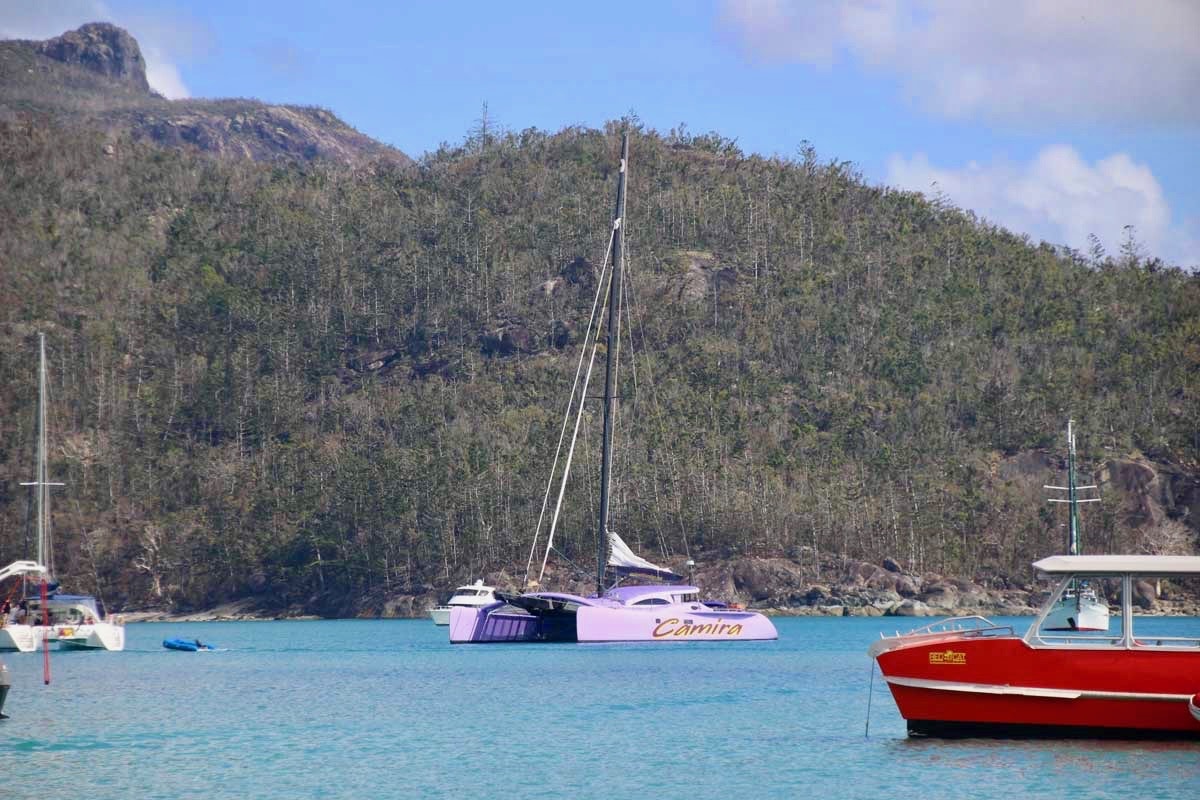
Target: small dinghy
x=190, y=645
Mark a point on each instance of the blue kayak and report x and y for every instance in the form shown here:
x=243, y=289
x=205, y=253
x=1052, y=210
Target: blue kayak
x=190, y=645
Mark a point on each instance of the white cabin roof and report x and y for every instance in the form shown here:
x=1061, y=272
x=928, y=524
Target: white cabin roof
x=473, y=587
x=1114, y=565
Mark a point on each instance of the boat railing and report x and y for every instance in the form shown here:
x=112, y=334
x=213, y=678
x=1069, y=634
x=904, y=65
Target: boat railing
x=1166, y=641
x=973, y=625
x=1102, y=639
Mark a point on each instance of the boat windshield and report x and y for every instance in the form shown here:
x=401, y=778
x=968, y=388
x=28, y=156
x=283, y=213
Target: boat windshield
x=64, y=612
x=1089, y=611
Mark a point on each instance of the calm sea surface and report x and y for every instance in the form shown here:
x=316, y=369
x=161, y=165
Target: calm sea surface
x=379, y=709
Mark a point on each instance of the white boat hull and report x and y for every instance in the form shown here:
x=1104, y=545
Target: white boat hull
x=21, y=638
x=440, y=615
x=97, y=636
x=1082, y=614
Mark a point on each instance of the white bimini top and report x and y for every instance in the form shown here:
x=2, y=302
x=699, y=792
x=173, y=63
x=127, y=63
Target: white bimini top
x=1119, y=565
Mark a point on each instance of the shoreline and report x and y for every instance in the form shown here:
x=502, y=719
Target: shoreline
x=244, y=612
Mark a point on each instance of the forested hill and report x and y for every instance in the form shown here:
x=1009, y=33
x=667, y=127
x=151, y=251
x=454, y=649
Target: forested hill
x=323, y=387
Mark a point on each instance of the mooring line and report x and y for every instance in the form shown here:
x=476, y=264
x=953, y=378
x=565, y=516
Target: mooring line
x=870, y=695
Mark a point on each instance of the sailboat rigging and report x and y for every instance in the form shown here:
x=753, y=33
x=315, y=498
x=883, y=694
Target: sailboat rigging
x=662, y=612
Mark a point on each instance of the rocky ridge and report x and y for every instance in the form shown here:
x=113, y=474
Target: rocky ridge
x=95, y=76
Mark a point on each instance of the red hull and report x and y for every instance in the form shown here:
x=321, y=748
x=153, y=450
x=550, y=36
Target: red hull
x=1003, y=682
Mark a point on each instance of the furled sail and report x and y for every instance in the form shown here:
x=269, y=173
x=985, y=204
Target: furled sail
x=622, y=559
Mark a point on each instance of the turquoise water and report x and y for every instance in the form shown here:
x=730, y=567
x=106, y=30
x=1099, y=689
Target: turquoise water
x=387, y=708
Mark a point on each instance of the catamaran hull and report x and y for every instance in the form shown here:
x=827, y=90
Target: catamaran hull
x=1008, y=716
x=20, y=638
x=605, y=624
x=1004, y=687
x=98, y=636
x=499, y=624
x=601, y=624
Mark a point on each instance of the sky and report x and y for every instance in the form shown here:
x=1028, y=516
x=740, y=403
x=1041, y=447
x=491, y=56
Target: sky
x=1058, y=119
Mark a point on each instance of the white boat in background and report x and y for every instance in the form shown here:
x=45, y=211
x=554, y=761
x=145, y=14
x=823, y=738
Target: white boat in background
x=15, y=631
x=76, y=621
x=473, y=596
x=1080, y=608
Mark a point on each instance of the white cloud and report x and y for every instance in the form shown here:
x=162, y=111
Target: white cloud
x=1020, y=60
x=159, y=38
x=774, y=30
x=162, y=75
x=1061, y=198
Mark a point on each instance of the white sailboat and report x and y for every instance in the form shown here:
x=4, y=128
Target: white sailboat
x=74, y=621
x=1080, y=608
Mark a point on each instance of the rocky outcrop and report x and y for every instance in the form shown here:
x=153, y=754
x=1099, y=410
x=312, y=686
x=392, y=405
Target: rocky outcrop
x=700, y=274
x=246, y=129
x=103, y=49
x=95, y=77
x=509, y=340
x=1154, y=497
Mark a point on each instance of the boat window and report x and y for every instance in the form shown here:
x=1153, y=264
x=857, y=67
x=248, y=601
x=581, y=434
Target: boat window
x=1160, y=606
x=1083, y=611
x=1089, y=614
x=651, y=601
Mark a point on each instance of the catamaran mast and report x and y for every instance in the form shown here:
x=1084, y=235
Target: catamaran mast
x=43, y=505
x=613, y=340
x=42, y=482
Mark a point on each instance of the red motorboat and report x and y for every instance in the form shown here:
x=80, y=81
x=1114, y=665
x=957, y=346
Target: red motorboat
x=966, y=676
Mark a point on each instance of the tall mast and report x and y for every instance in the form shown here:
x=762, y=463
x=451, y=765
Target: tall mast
x=613, y=340
x=1072, y=493
x=1072, y=490
x=42, y=482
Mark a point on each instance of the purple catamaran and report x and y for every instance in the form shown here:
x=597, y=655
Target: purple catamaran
x=669, y=612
